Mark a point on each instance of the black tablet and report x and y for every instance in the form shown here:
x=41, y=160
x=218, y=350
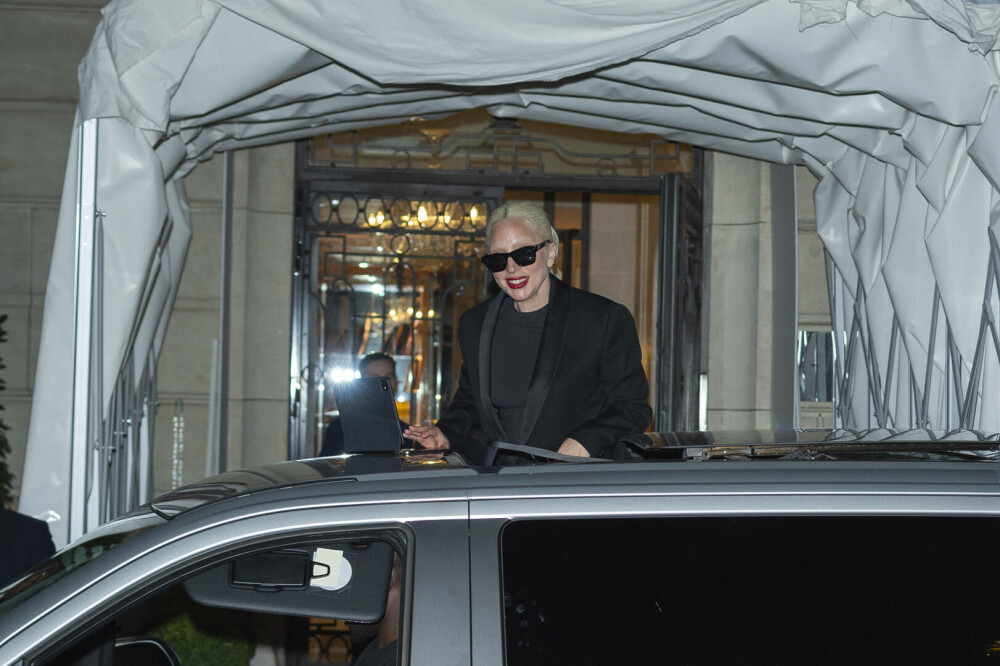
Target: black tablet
x=368, y=414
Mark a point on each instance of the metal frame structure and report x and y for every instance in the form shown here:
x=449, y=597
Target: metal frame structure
x=935, y=395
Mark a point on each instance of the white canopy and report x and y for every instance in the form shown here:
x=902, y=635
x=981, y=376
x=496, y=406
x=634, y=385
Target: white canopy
x=890, y=103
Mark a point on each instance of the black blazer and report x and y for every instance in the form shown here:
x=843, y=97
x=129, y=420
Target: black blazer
x=588, y=382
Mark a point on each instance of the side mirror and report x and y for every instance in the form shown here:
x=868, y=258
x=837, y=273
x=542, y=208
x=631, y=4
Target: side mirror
x=144, y=651
x=343, y=581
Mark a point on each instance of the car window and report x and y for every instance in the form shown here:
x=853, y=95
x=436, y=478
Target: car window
x=752, y=590
x=339, y=597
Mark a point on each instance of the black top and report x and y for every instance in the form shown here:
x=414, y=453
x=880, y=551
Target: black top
x=512, y=364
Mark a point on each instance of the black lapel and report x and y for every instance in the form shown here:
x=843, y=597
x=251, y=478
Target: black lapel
x=489, y=413
x=549, y=351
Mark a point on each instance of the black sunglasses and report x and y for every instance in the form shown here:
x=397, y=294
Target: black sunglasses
x=522, y=256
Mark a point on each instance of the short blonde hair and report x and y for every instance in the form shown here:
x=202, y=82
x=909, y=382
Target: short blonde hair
x=536, y=219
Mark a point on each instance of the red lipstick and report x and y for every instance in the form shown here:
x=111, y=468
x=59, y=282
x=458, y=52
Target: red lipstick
x=516, y=282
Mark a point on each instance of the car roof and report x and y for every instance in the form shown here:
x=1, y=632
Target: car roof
x=413, y=470
x=336, y=469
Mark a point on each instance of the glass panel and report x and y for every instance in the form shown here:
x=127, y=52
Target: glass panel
x=816, y=366
x=263, y=624
x=392, y=276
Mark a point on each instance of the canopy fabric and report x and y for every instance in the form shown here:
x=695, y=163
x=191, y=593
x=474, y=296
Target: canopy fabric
x=890, y=103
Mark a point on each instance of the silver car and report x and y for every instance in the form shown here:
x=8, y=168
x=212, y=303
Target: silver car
x=756, y=548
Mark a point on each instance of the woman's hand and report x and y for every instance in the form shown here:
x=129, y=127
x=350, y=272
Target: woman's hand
x=428, y=436
x=571, y=447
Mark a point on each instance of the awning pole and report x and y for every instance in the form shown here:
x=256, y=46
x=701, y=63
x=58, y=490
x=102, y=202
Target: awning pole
x=225, y=281
x=86, y=215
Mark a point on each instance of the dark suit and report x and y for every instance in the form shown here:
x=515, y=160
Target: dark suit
x=588, y=382
x=26, y=542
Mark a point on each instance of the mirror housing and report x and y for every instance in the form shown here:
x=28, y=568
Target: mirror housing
x=144, y=651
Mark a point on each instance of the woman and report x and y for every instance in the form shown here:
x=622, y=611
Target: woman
x=545, y=364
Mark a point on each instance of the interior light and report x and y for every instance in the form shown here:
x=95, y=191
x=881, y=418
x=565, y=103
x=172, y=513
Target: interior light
x=473, y=214
x=447, y=218
x=421, y=214
x=409, y=311
x=430, y=313
x=379, y=217
x=362, y=264
x=392, y=313
x=380, y=249
x=372, y=221
x=418, y=314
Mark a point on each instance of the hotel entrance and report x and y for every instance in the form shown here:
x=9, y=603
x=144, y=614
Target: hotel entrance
x=390, y=227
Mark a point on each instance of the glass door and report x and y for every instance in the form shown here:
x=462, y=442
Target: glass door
x=382, y=271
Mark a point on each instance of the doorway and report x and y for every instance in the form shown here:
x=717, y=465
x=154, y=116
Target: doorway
x=386, y=258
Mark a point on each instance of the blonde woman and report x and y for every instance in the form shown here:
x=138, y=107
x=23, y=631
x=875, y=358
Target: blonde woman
x=545, y=364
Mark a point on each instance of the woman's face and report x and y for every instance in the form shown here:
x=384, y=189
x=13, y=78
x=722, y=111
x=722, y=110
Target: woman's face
x=527, y=285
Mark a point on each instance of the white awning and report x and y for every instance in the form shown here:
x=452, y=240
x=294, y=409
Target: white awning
x=890, y=105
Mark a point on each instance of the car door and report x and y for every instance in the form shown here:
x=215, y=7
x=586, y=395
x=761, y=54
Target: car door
x=80, y=618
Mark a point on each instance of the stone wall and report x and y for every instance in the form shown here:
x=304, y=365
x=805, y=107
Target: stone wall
x=738, y=245
x=260, y=316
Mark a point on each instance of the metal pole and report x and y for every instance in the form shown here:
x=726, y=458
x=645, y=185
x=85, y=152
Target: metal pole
x=586, y=213
x=86, y=214
x=784, y=297
x=663, y=417
x=213, y=393
x=225, y=279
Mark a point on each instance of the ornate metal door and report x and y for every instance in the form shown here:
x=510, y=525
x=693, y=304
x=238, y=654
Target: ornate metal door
x=381, y=267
